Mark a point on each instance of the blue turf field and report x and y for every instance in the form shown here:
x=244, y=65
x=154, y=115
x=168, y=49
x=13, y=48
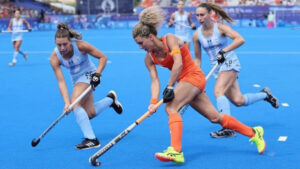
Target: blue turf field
x=30, y=101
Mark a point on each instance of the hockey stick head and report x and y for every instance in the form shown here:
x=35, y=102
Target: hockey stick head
x=94, y=161
x=35, y=142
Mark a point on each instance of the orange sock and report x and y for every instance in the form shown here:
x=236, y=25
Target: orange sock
x=230, y=122
x=175, y=124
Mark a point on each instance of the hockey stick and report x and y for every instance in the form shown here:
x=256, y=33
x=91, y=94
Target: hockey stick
x=36, y=141
x=185, y=107
x=183, y=25
x=14, y=31
x=93, y=159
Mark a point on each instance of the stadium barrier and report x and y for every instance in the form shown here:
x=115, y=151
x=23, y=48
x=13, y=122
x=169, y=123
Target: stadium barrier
x=244, y=16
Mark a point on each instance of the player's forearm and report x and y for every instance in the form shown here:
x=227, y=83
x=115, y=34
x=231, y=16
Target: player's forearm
x=176, y=70
x=235, y=44
x=155, y=89
x=101, y=64
x=64, y=92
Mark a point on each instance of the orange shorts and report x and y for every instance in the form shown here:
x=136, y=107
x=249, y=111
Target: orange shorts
x=196, y=78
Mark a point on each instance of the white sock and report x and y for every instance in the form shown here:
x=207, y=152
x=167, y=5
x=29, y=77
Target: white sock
x=15, y=56
x=84, y=123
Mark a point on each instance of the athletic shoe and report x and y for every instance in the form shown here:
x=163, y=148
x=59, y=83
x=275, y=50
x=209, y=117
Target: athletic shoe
x=258, y=139
x=223, y=133
x=12, y=64
x=88, y=143
x=170, y=155
x=116, y=105
x=270, y=98
x=25, y=56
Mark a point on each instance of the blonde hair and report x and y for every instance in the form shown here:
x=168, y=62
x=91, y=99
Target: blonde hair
x=63, y=31
x=150, y=20
x=217, y=9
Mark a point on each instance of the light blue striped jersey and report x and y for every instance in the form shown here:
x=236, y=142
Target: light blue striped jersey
x=17, y=26
x=78, y=63
x=213, y=44
x=182, y=32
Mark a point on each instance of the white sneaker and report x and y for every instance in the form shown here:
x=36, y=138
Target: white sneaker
x=11, y=64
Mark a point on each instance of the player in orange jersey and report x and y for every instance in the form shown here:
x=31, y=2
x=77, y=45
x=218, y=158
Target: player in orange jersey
x=170, y=52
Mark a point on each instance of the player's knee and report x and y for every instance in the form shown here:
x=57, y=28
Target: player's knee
x=215, y=119
x=240, y=101
x=218, y=93
x=91, y=114
x=170, y=109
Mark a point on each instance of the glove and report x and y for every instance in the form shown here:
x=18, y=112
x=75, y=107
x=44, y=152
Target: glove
x=29, y=30
x=168, y=94
x=95, y=80
x=194, y=28
x=221, y=57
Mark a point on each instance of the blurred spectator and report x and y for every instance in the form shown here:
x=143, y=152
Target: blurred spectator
x=195, y=3
x=289, y=2
x=146, y=3
x=242, y=2
x=277, y=2
x=42, y=16
x=83, y=21
x=250, y=3
x=164, y=3
x=270, y=20
x=174, y=2
x=225, y=3
x=7, y=9
x=231, y=2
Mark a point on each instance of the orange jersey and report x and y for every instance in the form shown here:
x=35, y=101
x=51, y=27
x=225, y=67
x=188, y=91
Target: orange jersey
x=190, y=71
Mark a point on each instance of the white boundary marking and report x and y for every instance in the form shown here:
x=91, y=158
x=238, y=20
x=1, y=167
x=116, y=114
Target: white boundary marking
x=282, y=138
x=256, y=85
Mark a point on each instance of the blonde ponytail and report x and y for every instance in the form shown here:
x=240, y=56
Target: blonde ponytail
x=151, y=19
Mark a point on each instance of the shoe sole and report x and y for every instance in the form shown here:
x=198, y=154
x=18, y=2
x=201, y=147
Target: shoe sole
x=226, y=136
x=116, y=99
x=164, y=159
x=223, y=136
x=88, y=147
x=269, y=93
x=167, y=159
